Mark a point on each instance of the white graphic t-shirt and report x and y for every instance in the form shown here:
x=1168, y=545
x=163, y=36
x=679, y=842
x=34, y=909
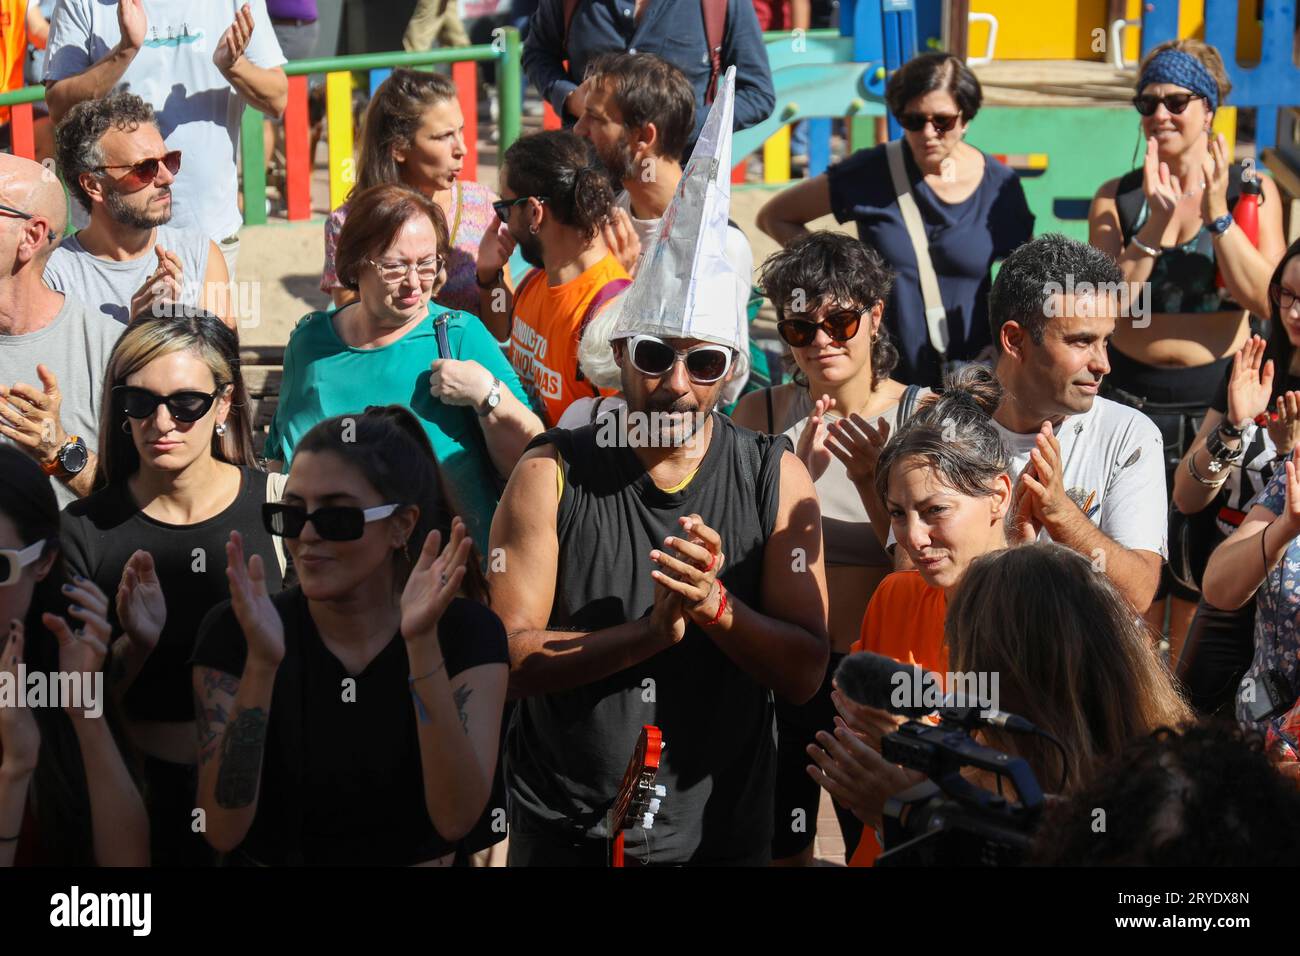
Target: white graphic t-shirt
x=198, y=110
x=1114, y=471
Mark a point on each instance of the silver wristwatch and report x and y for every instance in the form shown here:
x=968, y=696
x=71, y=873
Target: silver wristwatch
x=492, y=401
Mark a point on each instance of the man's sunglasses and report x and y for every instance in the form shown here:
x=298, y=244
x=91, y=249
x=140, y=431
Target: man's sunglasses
x=503, y=206
x=340, y=523
x=1282, y=297
x=144, y=172
x=800, y=333
x=915, y=122
x=705, y=364
x=13, y=562
x=1175, y=103
x=187, y=406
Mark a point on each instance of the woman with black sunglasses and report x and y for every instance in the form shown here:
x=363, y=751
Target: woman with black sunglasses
x=179, y=474
x=1169, y=224
x=66, y=796
x=971, y=207
x=829, y=290
x=354, y=719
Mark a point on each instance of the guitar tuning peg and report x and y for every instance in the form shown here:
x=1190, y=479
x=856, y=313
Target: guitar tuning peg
x=661, y=790
x=648, y=821
x=654, y=804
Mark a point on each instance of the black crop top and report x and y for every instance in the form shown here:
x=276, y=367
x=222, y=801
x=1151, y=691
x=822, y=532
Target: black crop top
x=1182, y=277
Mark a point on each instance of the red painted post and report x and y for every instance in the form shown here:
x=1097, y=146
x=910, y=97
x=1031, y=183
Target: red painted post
x=738, y=172
x=550, y=118
x=24, y=135
x=297, y=140
x=465, y=76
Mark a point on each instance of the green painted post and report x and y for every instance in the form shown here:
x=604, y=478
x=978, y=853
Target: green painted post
x=509, y=77
x=252, y=152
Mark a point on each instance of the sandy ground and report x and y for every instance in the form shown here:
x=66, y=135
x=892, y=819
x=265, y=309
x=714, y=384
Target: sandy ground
x=281, y=261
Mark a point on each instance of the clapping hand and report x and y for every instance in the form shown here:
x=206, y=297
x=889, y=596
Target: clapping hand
x=812, y=450
x=234, y=41
x=433, y=582
x=141, y=609
x=257, y=616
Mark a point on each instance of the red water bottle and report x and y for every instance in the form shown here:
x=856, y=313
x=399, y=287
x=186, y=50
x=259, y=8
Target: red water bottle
x=1245, y=214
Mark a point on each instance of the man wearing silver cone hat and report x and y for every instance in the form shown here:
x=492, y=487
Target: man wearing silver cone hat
x=668, y=574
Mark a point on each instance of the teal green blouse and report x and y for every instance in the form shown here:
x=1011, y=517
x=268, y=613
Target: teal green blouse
x=324, y=377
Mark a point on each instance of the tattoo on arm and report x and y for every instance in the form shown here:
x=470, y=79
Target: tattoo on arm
x=211, y=718
x=241, y=759
x=461, y=696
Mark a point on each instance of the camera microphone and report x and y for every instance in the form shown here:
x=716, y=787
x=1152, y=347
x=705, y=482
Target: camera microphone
x=906, y=690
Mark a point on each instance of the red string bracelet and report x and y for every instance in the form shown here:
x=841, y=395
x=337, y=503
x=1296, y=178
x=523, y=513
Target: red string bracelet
x=722, y=606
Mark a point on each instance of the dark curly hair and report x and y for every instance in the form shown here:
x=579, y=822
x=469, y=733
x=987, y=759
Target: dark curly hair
x=77, y=137
x=829, y=267
x=564, y=168
x=1206, y=797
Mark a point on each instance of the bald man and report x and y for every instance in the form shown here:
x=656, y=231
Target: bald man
x=53, y=349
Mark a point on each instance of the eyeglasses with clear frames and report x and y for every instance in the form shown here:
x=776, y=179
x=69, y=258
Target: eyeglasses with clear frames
x=426, y=269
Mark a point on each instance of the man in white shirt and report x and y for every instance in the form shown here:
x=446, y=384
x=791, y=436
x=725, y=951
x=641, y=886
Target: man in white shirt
x=639, y=111
x=1090, y=472
x=196, y=64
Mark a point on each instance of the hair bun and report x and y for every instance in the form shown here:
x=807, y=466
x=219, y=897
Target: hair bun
x=974, y=386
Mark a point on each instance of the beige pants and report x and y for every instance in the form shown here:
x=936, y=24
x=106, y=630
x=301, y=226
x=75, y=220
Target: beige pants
x=434, y=20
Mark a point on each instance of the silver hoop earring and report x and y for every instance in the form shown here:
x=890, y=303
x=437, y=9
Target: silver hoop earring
x=532, y=230
x=126, y=427
x=221, y=429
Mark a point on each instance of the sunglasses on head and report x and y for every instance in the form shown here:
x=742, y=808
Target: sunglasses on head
x=145, y=171
x=186, y=406
x=653, y=357
x=1175, y=103
x=338, y=523
x=503, y=206
x=12, y=562
x=915, y=122
x=840, y=326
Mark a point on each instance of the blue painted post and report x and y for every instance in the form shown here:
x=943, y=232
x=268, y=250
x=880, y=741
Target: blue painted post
x=900, y=43
x=1275, y=80
x=819, y=146
x=377, y=77
x=1159, y=23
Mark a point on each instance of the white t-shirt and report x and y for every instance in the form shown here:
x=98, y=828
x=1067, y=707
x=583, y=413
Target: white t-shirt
x=1114, y=471
x=741, y=258
x=198, y=110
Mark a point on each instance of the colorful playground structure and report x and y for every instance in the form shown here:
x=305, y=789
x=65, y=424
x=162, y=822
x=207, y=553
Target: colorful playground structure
x=1057, y=76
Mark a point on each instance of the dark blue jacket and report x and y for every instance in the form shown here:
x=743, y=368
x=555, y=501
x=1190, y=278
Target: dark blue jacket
x=672, y=29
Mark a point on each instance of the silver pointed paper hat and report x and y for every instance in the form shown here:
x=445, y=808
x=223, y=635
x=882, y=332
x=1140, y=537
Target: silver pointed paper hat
x=685, y=287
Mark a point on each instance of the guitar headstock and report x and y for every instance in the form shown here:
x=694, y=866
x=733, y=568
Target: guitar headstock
x=639, y=796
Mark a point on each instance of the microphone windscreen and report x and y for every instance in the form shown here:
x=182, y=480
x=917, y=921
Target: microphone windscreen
x=874, y=680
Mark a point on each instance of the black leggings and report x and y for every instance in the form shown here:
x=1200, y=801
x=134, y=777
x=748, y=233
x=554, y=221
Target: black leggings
x=1217, y=652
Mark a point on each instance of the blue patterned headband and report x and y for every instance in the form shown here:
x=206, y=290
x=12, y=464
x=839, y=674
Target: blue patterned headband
x=1181, y=69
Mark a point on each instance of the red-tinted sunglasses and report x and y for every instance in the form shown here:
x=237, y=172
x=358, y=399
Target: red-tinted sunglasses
x=144, y=172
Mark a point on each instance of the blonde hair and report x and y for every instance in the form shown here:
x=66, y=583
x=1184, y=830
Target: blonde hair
x=190, y=330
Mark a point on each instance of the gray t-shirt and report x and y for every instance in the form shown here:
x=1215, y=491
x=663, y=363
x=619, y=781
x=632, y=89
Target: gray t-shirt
x=199, y=112
x=108, y=285
x=75, y=346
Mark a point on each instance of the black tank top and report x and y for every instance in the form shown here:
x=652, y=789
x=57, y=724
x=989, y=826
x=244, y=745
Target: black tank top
x=566, y=752
x=1182, y=278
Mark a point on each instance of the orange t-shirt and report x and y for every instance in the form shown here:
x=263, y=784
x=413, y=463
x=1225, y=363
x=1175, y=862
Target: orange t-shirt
x=13, y=48
x=904, y=621
x=544, y=336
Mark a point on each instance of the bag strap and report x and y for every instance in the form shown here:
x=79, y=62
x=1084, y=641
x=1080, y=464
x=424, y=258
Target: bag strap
x=715, y=27
x=440, y=332
x=908, y=404
x=936, y=316
x=606, y=292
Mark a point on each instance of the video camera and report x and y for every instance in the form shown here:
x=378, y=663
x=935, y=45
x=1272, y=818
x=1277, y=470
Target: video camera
x=947, y=820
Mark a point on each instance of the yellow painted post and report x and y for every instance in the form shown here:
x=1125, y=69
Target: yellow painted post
x=1225, y=122
x=338, y=112
x=776, y=157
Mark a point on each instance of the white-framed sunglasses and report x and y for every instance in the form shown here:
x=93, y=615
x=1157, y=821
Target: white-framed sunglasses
x=12, y=562
x=653, y=357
